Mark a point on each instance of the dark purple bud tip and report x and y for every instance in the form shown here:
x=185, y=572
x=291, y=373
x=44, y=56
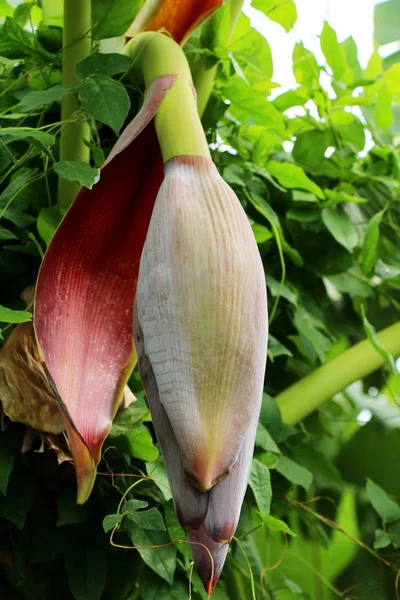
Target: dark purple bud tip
x=208, y=556
x=224, y=534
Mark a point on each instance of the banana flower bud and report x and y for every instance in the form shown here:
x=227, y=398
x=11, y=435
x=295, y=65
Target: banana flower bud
x=201, y=335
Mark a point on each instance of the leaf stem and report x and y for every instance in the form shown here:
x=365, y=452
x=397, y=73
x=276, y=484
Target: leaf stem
x=76, y=46
x=253, y=589
x=306, y=395
x=177, y=121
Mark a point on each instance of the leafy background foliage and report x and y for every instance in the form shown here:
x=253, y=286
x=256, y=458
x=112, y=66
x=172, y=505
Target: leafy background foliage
x=320, y=185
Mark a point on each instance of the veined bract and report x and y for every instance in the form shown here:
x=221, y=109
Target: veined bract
x=201, y=335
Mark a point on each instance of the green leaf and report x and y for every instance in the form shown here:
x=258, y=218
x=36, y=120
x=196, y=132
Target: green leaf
x=19, y=219
x=275, y=524
x=14, y=41
x=77, y=171
x=6, y=463
x=153, y=588
x=107, y=64
x=215, y=31
x=111, y=18
x=127, y=419
x=106, y=100
x=281, y=11
x=374, y=67
x=305, y=67
x=382, y=539
x=250, y=103
x=148, y=519
x=12, y=134
x=261, y=233
x=287, y=290
x=370, y=332
x=176, y=532
x=317, y=463
x=260, y=483
x=386, y=15
x=141, y=444
x=158, y=472
x=391, y=78
x=271, y=418
x=294, y=472
x=31, y=248
x=350, y=129
x=21, y=14
x=348, y=283
x=383, y=113
x=332, y=260
x=6, y=235
x=305, y=214
x=263, y=145
x=86, y=567
x=34, y=100
x=5, y=9
x=310, y=146
x=110, y=521
x=291, y=98
x=313, y=329
x=131, y=506
x=265, y=441
x=250, y=50
x=97, y=153
x=394, y=533
x=294, y=588
x=338, y=196
x=234, y=174
x=276, y=348
x=351, y=53
x=391, y=59
x=369, y=250
x=268, y=212
x=19, y=181
x=333, y=51
x=160, y=557
x=388, y=510
x=47, y=222
x=293, y=176
x=342, y=228
x=7, y=315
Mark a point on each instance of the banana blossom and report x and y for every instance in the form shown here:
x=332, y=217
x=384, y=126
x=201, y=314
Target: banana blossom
x=200, y=311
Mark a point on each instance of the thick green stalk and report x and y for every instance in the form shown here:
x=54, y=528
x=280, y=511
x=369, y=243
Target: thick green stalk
x=203, y=82
x=204, y=77
x=177, y=121
x=76, y=46
x=303, y=397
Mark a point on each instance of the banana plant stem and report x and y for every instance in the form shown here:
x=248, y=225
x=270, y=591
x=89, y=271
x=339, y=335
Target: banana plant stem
x=177, y=121
x=204, y=77
x=306, y=395
x=76, y=46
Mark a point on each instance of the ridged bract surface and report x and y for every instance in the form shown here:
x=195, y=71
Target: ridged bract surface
x=201, y=303
x=201, y=336
x=87, y=283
